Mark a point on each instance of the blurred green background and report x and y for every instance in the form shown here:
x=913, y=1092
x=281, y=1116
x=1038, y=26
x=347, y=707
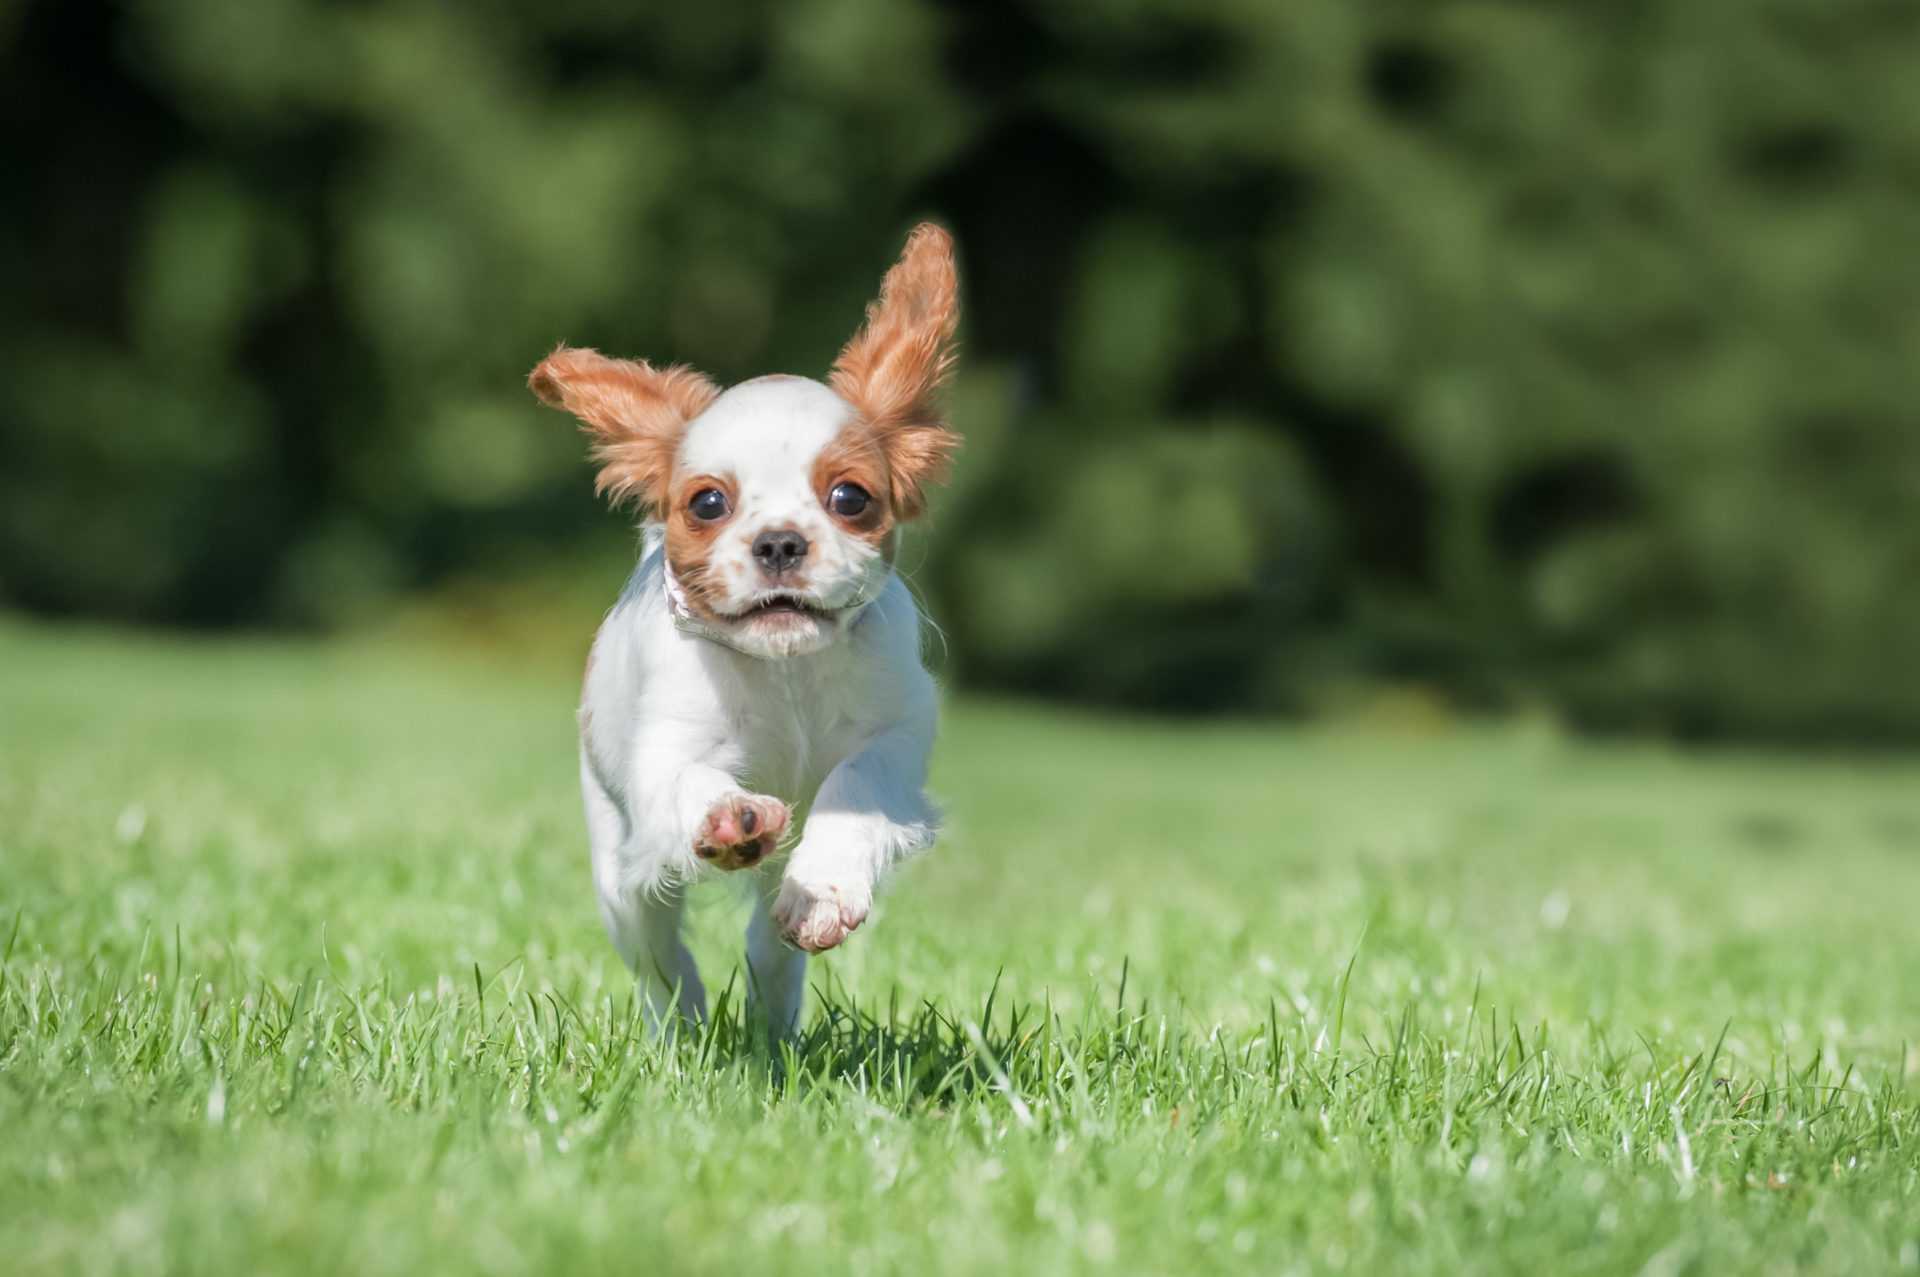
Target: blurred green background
x=1553, y=357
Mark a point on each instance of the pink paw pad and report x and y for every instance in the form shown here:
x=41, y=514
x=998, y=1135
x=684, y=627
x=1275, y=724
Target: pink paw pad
x=741, y=831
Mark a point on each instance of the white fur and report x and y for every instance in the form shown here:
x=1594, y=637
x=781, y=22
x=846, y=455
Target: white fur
x=837, y=724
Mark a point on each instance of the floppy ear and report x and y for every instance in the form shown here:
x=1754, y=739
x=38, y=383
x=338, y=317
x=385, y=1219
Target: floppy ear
x=635, y=412
x=892, y=367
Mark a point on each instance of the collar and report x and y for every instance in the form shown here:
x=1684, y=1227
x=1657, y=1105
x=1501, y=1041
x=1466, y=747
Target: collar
x=687, y=621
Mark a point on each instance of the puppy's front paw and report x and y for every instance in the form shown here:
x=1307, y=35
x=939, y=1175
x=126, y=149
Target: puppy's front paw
x=817, y=916
x=740, y=831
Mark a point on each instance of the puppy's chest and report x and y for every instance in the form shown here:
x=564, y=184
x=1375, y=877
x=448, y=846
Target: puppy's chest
x=791, y=741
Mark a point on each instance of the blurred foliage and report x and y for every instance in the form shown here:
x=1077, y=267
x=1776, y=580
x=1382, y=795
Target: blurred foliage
x=1530, y=351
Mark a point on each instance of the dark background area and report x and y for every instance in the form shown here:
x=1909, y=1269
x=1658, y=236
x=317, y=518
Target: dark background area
x=1537, y=355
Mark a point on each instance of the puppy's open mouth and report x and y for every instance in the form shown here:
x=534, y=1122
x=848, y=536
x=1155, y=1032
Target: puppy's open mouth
x=783, y=607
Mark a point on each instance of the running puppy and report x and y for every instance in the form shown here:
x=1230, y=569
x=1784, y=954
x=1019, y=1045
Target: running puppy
x=758, y=683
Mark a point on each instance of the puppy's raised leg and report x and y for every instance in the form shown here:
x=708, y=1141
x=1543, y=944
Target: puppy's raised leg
x=871, y=810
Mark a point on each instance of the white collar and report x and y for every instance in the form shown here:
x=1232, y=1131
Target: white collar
x=684, y=618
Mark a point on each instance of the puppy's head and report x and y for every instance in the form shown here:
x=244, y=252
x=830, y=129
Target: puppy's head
x=781, y=497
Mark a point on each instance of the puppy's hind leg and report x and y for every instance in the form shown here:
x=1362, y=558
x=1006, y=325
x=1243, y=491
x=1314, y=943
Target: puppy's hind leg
x=644, y=926
x=645, y=929
x=776, y=972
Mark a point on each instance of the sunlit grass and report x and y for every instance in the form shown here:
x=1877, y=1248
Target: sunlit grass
x=302, y=974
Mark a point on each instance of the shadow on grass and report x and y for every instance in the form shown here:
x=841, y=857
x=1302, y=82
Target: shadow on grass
x=912, y=1056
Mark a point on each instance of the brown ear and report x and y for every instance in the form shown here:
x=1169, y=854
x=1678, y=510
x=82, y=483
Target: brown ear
x=635, y=412
x=892, y=367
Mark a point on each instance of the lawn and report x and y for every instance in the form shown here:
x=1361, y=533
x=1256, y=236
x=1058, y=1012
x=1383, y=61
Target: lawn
x=303, y=975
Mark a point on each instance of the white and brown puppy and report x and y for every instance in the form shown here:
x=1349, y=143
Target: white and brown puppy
x=760, y=676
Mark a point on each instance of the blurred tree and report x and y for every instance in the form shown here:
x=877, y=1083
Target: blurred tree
x=1521, y=349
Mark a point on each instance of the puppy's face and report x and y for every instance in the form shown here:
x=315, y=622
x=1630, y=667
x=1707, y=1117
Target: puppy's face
x=780, y=518
x=780, y=498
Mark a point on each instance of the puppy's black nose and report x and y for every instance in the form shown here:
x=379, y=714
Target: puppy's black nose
x=779, y=551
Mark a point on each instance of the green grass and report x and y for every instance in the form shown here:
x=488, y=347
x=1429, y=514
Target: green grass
x=304, y=976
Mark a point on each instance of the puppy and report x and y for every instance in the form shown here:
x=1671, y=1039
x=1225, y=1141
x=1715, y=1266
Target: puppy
x=759, y=683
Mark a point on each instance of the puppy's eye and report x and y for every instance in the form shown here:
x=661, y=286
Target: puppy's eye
x=708, y=504
x=848, y=499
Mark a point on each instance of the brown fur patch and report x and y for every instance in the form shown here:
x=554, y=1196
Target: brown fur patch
x=690, y=541
x=636, y=414
x=858, y=456
x=896, y=363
